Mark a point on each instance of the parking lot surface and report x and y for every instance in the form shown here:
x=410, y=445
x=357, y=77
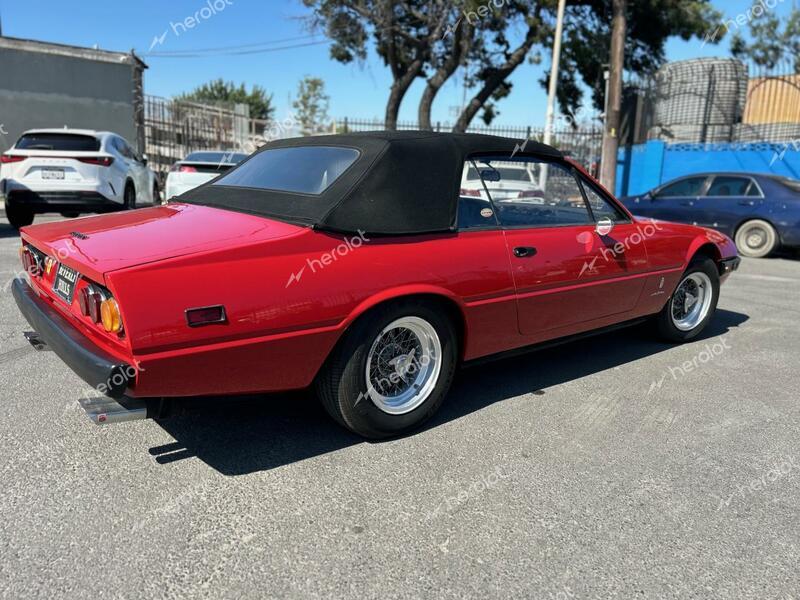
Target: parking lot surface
x=612, y=467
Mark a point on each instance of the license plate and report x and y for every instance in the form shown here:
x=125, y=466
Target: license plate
x=52, y=173
x=64, y=284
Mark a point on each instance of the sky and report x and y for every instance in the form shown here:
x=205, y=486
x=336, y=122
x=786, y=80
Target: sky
x=355, y=90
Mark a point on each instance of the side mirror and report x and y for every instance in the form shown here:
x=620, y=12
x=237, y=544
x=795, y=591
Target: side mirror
x=144, y=159
x=604, y=226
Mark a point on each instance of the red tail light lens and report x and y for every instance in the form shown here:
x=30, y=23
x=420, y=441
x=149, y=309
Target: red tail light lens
x=531, y=194
x=103, y=161
x=95, y=302
x=466, y=192
x=187, y=169
x=11, y=158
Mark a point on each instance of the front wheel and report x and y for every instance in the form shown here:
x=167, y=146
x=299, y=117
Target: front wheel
x=129, y=197
x=692, y=305
x=391, y=371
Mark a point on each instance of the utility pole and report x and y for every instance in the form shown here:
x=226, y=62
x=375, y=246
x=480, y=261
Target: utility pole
x=608, y=171
x=551, y=92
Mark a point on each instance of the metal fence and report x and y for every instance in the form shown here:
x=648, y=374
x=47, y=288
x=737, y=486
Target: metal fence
x=175, y=128
x=713, y=100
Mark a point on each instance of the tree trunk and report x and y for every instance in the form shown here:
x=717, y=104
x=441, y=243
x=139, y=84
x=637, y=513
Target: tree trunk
x=608, y=172
x=398, y=91
x=493, y=82
x=462, y=40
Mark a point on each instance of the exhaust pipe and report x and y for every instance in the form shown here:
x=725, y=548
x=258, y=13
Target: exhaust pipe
x=104, y=410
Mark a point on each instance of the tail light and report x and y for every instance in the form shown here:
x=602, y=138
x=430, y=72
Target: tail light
x=531, y=194
x=102, y=161
x=31, y=262
x=109, y=314
x=11, y=158
x=467, y=192
x=182, y=168
x=90, y=302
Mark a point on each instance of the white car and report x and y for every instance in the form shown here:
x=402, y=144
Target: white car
x=73, y=171
x=508, y=181
x=197, y=168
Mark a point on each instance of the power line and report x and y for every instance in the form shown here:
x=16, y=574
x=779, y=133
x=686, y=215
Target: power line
x=235, y=47
x=229, y=53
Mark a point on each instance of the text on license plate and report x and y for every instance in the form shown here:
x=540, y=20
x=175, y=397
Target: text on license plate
x=64, y=284
x=52, y=173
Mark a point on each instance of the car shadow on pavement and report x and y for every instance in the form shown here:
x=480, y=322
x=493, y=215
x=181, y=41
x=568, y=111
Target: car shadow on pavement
x=245, y=435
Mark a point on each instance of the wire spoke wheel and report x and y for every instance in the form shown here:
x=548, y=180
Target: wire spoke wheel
x=691, y=301
x=403, y=365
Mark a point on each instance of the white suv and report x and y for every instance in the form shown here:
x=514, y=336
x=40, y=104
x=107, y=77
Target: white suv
x=73, y=171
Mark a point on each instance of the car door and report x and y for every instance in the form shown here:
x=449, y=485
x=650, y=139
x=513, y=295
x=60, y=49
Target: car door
x=565, y=274
x=730, y=199
x=674, y=201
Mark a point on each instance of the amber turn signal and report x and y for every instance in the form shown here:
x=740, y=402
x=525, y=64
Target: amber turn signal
x=109, y=312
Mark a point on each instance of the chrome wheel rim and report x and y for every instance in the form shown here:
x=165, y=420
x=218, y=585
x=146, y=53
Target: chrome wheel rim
x=691, y=301
x=403, y=365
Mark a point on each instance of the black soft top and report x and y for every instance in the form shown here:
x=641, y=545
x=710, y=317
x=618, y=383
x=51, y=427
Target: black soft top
x=403, y=182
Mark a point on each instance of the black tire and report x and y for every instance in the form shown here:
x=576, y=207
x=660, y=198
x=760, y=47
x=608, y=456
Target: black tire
x=129, y=196
x=756, y=239
x=342, y=383
x=156, y=195
x=18, y=216
x=665, y=320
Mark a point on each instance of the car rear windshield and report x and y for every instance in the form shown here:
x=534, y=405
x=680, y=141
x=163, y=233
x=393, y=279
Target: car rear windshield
x=305, y=170
x=65, y=142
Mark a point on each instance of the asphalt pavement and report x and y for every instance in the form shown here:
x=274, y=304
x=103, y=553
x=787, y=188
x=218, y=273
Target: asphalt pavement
x=615, y=467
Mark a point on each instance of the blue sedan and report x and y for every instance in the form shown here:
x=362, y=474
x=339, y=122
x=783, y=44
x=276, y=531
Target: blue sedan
x=760, y=212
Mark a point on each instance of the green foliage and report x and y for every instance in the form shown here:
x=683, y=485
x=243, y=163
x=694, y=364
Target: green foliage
x=219, y=91
x=311, y=106
x=772, y=43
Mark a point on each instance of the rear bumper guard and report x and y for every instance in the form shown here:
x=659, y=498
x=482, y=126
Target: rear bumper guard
x=93, y=364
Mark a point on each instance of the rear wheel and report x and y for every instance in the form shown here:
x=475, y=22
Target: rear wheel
x=18, y=216
x=693, y=304
x=391, y=371
x=130, y=196
x=756, y=239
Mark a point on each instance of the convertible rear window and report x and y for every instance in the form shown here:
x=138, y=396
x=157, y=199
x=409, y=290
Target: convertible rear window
x=305, y=170
x=66, y=142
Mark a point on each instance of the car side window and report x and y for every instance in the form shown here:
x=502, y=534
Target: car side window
x=601, y=207
x=526, y=192
x=754, y=190
x=729, y=186
x=685, y=188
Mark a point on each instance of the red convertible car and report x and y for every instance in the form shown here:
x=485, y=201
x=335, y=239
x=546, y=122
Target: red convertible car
x=359, y=265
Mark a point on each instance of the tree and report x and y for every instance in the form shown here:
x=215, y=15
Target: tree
x=219, y=91
x=771, y=43
x=404, y=32
x=311, y=105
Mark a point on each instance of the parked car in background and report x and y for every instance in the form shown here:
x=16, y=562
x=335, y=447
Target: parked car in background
x=760, y=212
x=73, y=171
x=511, y=182
x=351, y=263
x=197, y=168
